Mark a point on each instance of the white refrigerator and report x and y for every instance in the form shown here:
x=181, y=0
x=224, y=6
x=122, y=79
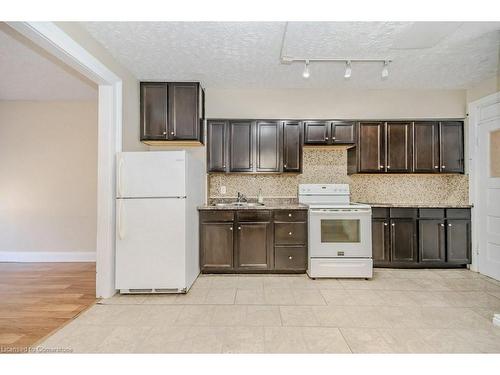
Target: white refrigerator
x=157, y=194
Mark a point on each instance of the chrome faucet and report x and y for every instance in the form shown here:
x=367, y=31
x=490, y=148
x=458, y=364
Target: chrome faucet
x=241, y=198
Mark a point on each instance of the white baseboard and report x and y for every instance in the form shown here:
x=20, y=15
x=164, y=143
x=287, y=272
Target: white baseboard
x=47, y=256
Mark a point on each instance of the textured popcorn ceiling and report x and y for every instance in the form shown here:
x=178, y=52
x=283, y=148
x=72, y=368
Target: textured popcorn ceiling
x=329, y=165
x=27, y=72
x=246, y=54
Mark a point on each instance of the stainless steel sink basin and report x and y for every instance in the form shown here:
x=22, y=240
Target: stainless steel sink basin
x=239, y=204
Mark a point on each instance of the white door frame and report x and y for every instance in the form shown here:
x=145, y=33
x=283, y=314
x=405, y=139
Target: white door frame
x=474, y=118
x=54, y=40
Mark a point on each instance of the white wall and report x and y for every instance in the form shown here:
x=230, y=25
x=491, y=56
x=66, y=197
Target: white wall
x=130, y=140
x=48, y=178
x=485, y=88
x=355, y=104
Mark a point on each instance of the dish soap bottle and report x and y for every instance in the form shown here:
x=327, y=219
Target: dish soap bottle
x=260, y=198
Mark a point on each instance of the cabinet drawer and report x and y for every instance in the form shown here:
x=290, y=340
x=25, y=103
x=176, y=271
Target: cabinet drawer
x=380, y=212
x=216, y=215
x=431, y=213
x=290, y=233
x=290, y=215
x=254, y=215
x=290, y=258
x=403, y=212
x=458, y=213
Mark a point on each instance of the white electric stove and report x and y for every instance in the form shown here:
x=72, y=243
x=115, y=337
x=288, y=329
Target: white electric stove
x=340, y=234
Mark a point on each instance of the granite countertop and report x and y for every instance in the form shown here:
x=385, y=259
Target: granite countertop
x=269, y=204
x=417, y=205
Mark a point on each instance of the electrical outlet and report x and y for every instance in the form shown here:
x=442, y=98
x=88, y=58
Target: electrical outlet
x=223, y=189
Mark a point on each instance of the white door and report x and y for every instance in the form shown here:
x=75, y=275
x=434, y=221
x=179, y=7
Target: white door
x=150, y=243
x=151, y=174
x=488, y=190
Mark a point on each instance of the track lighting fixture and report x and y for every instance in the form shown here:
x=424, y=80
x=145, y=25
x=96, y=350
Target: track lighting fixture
x=385, y=70
x=306, y=74
x=348, y=69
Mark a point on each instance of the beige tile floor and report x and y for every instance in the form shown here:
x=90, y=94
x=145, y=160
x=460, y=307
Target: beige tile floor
x=398, y=311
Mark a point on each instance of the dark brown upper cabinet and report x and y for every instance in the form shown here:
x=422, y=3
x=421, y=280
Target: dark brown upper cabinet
x=268, y=146
x=241, y=144
x=342, y=132
x=451, y=146
x=316, y=132
x=154, y=109
x=398, y=147
x=329, y=132
x=371, y=147
x=426, y=147
x=292, y=146
x=171, y=111
x=217, y=146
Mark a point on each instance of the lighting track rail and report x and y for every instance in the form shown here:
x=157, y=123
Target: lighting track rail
x=287, y=60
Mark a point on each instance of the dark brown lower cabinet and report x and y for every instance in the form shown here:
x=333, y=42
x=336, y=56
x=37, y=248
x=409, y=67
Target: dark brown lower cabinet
x=217, y=245
x=381, y=248
x=431, y=241
x=403, y=240
x=458, y=241
x=253, y=250
x=253, y=241
x=420, y=238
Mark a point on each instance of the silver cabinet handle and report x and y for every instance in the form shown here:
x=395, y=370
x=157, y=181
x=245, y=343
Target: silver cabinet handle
x=289, y=233
x=224, y=166
x=442, y=224
x=230, y=228
x=449, y=225
x=290, y=257
x=284, y=165
x=443, y=166
x=393, y=224
x=436, y=166
x=326, y=138
x=172, y=133
x=164, y=133
x=388, y=167
x=385, y=224
x=333, y=138
x=289, y=215
x=239, y=228
x=381, y=166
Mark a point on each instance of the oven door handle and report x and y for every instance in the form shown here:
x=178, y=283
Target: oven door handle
x=329, y=212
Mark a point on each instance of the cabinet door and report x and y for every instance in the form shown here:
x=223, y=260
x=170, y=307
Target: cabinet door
x=426, y=147
x=153, y=111
x=398, y=146
x=403, y=246
x=380, y=241
x=292, y=146
x=431, y=241
x=458, y=242
x=316, y=132
x=342, y=132
x=268, y=146
x=371, y=147
x=253, y=245
x=452, y=146
x=184, y=122
x=241, y=146
x=217, y=150
x=216, y=246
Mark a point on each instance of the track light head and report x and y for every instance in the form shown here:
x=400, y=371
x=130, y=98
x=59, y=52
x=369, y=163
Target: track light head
x=306, y=74
x=348, y=69
x=385, y=70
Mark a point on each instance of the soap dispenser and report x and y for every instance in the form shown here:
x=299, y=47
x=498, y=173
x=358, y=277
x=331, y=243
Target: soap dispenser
x=260, y=198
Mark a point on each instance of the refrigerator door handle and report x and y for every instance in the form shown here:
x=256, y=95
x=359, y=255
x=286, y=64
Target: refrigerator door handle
x=120, y=166
x=121, y=231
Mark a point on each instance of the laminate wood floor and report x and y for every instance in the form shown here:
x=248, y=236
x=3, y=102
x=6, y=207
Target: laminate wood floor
x=38, y=298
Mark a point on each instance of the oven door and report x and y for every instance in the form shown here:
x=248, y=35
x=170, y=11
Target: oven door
x=344, y=233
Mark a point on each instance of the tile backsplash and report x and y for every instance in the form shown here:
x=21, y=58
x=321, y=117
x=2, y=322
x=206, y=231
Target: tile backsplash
x=329, y=165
